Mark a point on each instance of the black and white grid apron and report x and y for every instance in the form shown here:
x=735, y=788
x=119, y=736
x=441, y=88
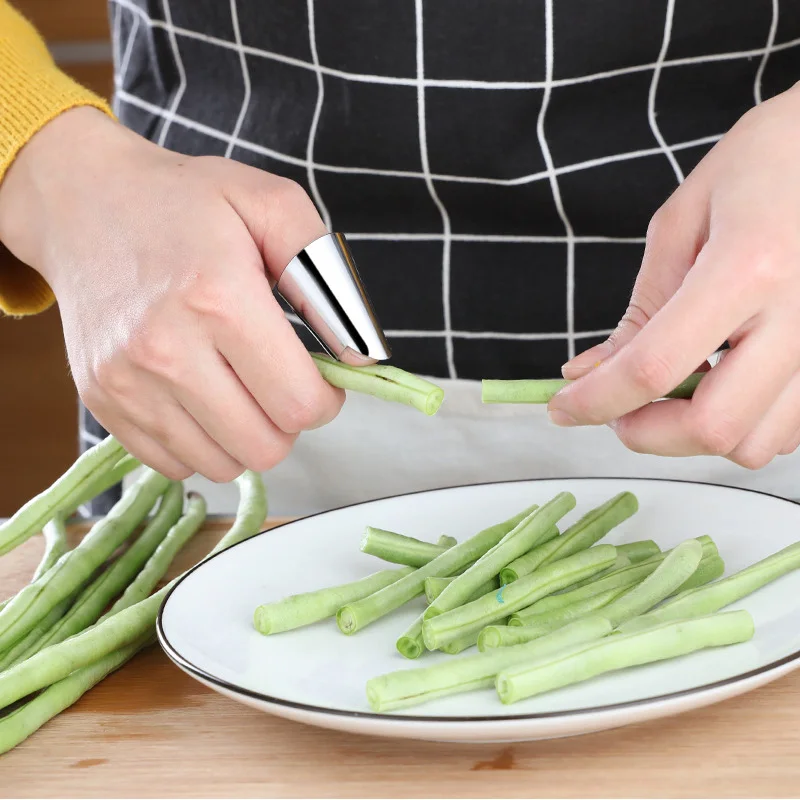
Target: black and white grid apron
x=494, y=163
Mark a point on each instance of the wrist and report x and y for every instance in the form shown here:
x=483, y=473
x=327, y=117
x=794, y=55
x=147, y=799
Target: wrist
x=48, y=175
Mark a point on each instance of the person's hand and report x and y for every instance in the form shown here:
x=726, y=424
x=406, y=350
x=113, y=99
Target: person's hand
x=722, y=262
x=176, y=343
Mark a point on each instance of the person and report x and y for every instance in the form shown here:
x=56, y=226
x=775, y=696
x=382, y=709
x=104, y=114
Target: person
x=506, y=174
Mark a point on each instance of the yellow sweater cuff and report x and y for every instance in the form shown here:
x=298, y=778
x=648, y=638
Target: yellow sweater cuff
x=33, y=91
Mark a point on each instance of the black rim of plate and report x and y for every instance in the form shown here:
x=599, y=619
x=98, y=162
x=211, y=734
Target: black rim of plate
x=193, y=669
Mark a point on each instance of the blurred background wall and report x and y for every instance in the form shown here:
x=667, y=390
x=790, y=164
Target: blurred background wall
x=38, y=416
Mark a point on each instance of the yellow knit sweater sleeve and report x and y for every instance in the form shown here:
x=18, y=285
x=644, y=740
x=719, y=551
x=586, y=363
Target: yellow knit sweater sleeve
x=32, y=92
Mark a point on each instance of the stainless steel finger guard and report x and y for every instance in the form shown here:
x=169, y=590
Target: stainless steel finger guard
x=323, y=287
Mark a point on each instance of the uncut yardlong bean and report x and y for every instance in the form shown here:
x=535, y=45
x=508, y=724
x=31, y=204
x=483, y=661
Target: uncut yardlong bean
x=354, y=616
x=708, y=599
x=383, y=382
x=55, y=545
x=410, y=687
x=444, y=628
x=128, y=625
x=104, y=482
x=525, y=535
x=75, y=568
x=588, y=530
x=33, y=516
x=399, y=549
x=95, y=598
x=26, y=720
x=582, y=662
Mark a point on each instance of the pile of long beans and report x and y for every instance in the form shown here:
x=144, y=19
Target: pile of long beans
x=90, y=609
x=545, y=608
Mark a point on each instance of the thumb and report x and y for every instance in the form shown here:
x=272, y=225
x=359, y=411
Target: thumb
x=674, y=238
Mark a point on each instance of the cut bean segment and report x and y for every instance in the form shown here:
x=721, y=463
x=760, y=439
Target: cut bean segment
x=298, y=610
x=670, y=574
x=583, y=662
x=399, y=549
x=527, y=534
x=383, y=382
x=708, y=599
x=542, y=624
x=543, y=391
x=354, y=616
x=472, y=617
x=588, y=530
x=410, y=687
x=627, y=576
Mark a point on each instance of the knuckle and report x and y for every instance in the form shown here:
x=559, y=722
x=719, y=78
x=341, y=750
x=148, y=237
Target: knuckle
x=154, y=352
x=272, y=453
x=770, y=266
x=223, y=473
x=650, y=373
x=659, y=225
x=717, y=434
x=753, y=456
x=209, y=297
x=288, y=195
x=112, y=379
x=627, y=437
x=305, y=410
x=175, y=472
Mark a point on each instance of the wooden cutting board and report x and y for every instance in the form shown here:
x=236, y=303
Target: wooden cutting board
x=151, y=731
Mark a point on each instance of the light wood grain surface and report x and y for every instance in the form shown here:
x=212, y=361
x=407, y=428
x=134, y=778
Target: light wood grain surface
x=151, y=731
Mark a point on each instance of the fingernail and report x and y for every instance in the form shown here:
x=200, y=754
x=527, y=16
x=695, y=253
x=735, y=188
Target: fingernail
x=561, y=418
x=585, y=362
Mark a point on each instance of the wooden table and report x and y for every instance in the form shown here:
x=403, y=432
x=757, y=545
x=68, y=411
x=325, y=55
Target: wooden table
x=151, y=731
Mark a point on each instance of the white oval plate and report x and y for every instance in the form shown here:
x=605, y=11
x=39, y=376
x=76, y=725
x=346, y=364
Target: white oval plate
x=317, y=676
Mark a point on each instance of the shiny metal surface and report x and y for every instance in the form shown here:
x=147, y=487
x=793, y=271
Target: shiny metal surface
x=322, y=285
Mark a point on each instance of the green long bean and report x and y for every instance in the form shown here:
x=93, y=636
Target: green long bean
x=32, y=517
x=19, y=650
x=354, y=616
x=410, y=687
x=383, y=382
x=494, y=636
x=298, y=610
x=620, y=562
x=104, y=482
x=76, y=567
x=26, y=720
x=94, y=599
x=543, y=391
x=399, y=549
x=434, y=586
x=671, y=573
x=55, y=545
x=627, y=576
x=440, y=630
x=639, y=551
x=582, y=662
x=527, y=534
x=708, y=599
x=128, y=625
x=588, y=530
x=411, y=644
